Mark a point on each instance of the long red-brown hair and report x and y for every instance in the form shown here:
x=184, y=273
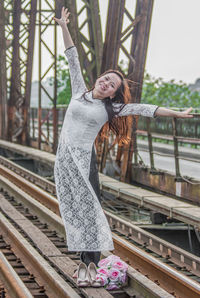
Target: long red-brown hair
x=118, y=125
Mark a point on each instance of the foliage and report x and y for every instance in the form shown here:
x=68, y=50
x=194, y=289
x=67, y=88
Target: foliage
x=168, y=94
x=63, y=81
x=155, y=90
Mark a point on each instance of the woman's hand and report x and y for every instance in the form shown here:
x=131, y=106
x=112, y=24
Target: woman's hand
x=64, y=20
x=163, y=112
x=185, y=114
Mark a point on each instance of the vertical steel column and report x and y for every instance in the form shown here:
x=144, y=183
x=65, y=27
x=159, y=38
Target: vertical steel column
x=90, y=49
x=138, y=31
x=40, y=79
x=176, y=155
x=110, y=57
x=55, y=114
x=28, y=79
x=139, y=46
x=134, y=135
x=15, y=88
x=21, y=57
x=45, y=13
x=150, y=144
x=95, y=33
x=3, y=83
x=111, y=46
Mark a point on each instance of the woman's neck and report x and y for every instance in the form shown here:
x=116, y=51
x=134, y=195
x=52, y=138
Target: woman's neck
x=96, y=95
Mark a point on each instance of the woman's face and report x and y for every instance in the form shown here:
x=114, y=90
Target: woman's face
x=107, y=85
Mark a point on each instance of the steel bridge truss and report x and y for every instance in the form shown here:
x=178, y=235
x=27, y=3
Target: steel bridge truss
x=25, y=21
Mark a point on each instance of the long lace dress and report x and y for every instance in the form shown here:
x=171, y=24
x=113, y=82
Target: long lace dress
x=85, y=223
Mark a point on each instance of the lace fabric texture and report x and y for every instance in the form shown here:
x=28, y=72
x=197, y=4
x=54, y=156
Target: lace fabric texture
x=85, y=223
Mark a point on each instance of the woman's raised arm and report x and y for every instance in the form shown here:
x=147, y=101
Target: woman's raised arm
x=63, y=21
x=77, y=81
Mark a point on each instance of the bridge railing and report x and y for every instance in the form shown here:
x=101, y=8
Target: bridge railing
x=175, y=131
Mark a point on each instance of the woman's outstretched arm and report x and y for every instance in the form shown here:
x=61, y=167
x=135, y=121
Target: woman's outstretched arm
x=170, y=113
x=148, y=110
x=63, y=21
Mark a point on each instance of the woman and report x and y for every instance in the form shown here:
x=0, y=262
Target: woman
x=85, y=223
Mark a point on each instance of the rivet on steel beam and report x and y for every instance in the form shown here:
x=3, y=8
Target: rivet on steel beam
x=169, y=252
x=182, y=258
x=194, y=265
x=161, y=247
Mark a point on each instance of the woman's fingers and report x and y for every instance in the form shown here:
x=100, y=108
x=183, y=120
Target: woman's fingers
x=185, y=114
x=189, y=110
x=55, y=19
x=65, y=14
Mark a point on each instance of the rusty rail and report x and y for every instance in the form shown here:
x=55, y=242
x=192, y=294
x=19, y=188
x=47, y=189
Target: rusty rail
x=192, y=287
x=62, y=262
x=13, y=283
x=53, y=283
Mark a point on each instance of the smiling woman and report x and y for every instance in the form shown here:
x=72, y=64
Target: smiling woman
x=107, y=85
x=76, y=174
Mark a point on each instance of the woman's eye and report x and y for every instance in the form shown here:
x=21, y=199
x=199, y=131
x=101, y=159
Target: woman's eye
x=106, y=78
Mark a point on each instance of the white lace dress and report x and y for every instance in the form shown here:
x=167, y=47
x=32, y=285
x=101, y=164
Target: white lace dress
x=85, y=223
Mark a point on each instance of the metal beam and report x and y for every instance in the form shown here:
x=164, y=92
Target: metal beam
x=3, y=87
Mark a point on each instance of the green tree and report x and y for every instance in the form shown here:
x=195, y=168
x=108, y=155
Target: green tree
x=169, y=94
x=63, y=81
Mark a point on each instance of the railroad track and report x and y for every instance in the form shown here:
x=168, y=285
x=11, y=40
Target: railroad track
x=129, y=248
x=36, y=244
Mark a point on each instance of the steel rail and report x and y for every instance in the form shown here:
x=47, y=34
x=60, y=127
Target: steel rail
x=107, y=187
x=163, y=248
x=137, y=282
x=54, y=284
x=159, y=246
x=12, y=282
x=192, y=286
x=170, y=279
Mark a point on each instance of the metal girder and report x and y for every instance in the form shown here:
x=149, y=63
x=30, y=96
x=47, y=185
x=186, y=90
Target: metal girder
x=95, y=57
x=3, y=88
x=113, y=35
x=139, y=47
x=45, y=12
x=137, y=32
x=21, y=28
x=85, y=17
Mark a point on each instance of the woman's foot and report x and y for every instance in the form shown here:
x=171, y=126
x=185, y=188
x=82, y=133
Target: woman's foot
x=92, y=272
x=82, y=276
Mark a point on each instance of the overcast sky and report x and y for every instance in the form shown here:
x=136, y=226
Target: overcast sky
x=174, y=42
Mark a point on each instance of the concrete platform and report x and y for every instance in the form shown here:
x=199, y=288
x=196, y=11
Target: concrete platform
x=171, y=207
